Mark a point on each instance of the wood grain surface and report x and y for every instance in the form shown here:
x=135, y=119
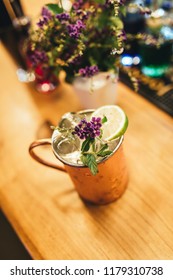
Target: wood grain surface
x=41, y=203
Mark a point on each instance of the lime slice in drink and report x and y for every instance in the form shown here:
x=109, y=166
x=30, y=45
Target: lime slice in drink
x=116, y=121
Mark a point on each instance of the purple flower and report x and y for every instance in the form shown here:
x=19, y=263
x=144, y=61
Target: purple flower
x=46, y=13
x=75, y=29
x=80, y=25
x=88, y=129
x=41, y=23
x=63, y=16
x=46, y=16
x=37, y=57
x=77, y=5
x=88, y=71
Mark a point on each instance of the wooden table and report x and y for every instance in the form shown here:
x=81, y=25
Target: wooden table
x=41, y=203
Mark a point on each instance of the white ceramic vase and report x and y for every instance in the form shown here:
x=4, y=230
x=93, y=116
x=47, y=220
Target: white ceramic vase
x=97, y=91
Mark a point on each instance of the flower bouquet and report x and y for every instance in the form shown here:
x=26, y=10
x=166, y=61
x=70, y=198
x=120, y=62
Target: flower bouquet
x=85, y=41
x=82, y=41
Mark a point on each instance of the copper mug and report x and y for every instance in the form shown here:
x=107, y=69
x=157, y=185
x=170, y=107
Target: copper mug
x=106, y=186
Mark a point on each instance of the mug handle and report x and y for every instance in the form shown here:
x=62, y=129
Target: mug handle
x=42, y=142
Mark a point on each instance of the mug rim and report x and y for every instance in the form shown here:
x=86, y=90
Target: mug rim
x=81, y=165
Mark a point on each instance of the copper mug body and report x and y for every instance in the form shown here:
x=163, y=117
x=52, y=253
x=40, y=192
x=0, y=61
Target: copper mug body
x=106, y=186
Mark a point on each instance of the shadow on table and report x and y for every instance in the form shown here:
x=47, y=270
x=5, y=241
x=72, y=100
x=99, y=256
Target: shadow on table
x=11, y=247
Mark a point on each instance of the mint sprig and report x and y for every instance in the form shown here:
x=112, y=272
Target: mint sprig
x=90, y=152
x=104, y=151
x=90, y=161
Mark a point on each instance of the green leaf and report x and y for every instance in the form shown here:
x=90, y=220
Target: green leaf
x=55, y=8
x=103, y=148
x=123, y=10
x=56, y=71
x=84, y=159
x=85, y=145
x=104, y=119
x=92, y=164
x=117, y=22
x=90, y=161
x=105, y=153
x=100, y=1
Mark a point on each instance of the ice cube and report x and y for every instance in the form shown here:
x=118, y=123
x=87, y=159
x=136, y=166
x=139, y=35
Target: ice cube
x=67, y=145
x=69, y=120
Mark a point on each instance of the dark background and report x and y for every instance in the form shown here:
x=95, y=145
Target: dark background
x=11, y=247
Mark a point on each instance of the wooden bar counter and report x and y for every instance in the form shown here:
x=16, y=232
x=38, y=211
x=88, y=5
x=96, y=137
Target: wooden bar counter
x=41, y=203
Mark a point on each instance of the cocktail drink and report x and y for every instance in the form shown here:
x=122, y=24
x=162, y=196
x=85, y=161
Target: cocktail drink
x=95, y=165
x=110, y=181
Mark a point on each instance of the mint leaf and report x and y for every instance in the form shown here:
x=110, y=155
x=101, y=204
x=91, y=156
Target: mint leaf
x=92, y=164
x=84, y=159
x=86, y=144
x=104, y=119
x=103, y=148
x=90, y=161
x=55, y=8
x=104, y=153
